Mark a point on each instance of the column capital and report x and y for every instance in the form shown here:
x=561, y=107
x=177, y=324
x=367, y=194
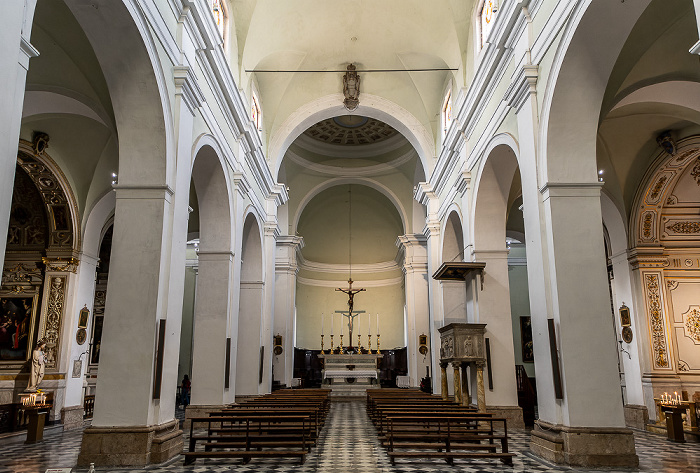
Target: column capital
x=241, y=183
x=61, y=265
x=271, y=229
x=524, y=85
x=186, y=87
x=138, y=191
x=571, y=189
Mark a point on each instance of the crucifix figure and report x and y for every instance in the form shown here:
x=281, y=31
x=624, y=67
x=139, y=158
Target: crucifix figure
x=350, y=314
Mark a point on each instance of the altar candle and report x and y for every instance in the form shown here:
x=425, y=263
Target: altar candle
x=331, y=324
x=321, y=323
x=359, y=325
x=377, y=323
x=369, y=324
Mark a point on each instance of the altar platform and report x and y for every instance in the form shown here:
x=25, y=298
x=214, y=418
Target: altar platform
x=350, y=375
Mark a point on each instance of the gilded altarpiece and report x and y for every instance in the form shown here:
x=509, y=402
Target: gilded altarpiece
x=39, y=260
x=667, y=255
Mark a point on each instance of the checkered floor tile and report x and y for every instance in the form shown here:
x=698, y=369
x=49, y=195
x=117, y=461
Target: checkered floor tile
x=348, y=444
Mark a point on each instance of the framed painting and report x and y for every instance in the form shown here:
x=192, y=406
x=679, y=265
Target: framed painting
x=625, y=319
x=17, y=320
x=526, y=339
x=83, y=317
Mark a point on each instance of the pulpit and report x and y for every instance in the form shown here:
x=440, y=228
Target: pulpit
x=463, y=345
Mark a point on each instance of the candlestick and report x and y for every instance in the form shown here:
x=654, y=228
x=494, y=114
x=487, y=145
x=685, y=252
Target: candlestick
x=378, y=351
x=341, y=341
x=369, y=344
x=321, y=343
x=359, y=344
x=331, y=341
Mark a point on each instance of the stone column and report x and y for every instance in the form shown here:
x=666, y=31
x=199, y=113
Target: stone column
x=465, y=385
x=456, y=366
x=480, y=391
x=211, y=326
x=568, y=283
x=493, y=309
x=426, y=196
x=271, y=232
x=415, y=270
x=128, y=427
x=443, y=381
x=15, y=52
x=286, y=269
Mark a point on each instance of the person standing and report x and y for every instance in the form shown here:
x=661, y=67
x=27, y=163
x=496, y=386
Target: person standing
x=186, y=386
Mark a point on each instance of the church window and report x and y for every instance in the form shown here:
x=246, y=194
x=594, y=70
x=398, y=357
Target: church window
x=487, y=15
x=446, y=115
x=220, y=16
x=255, y=112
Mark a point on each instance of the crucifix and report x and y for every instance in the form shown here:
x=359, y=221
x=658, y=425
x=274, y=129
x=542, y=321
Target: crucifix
x=350, y=313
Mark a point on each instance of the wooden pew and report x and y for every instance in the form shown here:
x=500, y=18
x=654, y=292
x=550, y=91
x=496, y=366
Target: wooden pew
x=447, y=437
x=246, y=435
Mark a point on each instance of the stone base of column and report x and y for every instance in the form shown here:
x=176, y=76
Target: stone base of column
x=636, y=417
x=199, y=410
x=512, y=414
x=72, y=417
x=584, y=446
x=130, y=446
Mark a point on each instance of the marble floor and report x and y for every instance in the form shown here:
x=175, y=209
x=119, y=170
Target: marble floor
x=348, y=444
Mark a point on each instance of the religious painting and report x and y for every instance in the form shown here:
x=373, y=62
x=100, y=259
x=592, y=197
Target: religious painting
x=625, y=319
x=83, y=317
x=526, y=339
x=16, y=328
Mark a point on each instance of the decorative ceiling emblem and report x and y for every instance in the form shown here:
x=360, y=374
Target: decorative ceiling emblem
x=40, y=142
x=684, y=227
x=351, y=130
x=691, y=323
x=665, y=140
x=351, y=88
x=647, y=225
x=695, y=173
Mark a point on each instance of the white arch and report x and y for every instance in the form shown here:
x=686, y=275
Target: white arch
x=121, y=38
x=212, y=184
x=393, y=198
x=456, y=209
x=100, y=213
x=372, y=106
x=42, y=102
x=684, y=94
x=570, y=115
x=502, y=139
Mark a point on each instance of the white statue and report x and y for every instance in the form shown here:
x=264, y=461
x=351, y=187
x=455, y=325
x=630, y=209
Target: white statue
x=36, y=373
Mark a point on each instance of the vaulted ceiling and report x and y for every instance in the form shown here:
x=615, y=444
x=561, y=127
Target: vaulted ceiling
x=328, y=35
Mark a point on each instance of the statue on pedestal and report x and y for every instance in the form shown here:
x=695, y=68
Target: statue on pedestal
x=36, y=373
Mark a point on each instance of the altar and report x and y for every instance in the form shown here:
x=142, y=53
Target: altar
x=350, y=374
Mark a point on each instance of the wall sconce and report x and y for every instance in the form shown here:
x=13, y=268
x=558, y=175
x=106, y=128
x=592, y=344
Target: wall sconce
x=277, y=350
x=423, y=344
